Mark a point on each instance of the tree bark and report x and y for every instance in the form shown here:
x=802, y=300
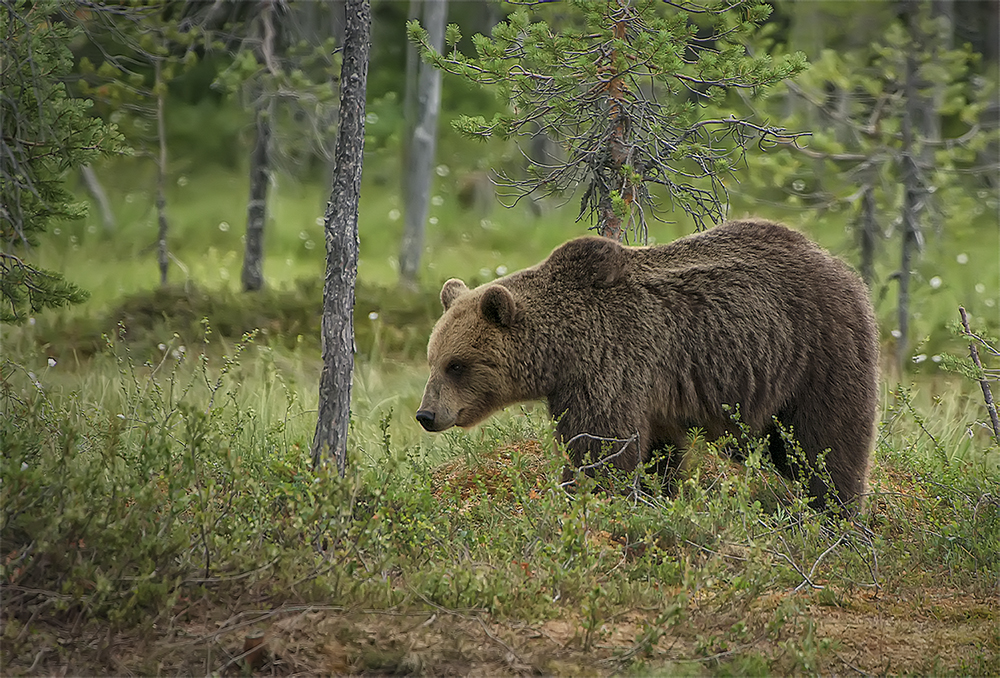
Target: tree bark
x=97, y=192
x=912, y=194
x=869, y=230
x=162, y=254
x=260, y=165
x=613, y=183
x=419, y=159
x=341, y=226
x=942, y=11
x=267, y=52
x=411, y=90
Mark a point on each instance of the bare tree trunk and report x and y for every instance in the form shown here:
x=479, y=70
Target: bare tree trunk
x=253, y=266
x=342, y=244
x=417, y=173
x=411, y=90
x=163, y=256
x=252, y=275
x=912, y=194
x=410, y=93
x=869, y=230
x=96, y=191
x=609, y=221
x=541, y=154
x=984, y=382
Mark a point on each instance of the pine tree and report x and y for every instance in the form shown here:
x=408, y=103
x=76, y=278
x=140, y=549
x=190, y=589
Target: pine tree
x=633, y=93
x=44, y=134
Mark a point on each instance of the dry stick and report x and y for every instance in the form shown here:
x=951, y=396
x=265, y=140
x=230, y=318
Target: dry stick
x=987, y=394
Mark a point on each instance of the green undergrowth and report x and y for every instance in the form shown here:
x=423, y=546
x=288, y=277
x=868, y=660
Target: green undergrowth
x=389, y=322
x=161, y=493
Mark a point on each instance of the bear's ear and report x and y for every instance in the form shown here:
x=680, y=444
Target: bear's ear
x=452, y=289
x=498, y=306
x=593, y=261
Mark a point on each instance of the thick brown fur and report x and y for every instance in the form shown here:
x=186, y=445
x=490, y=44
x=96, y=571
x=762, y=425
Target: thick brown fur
x=652, y=341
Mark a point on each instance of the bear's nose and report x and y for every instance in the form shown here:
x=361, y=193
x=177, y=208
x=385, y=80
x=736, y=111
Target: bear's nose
x=426, y=419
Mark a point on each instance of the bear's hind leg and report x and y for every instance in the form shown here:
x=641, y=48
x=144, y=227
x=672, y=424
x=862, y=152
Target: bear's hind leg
x=845, y=464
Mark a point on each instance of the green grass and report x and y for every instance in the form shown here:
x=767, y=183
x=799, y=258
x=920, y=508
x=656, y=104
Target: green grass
x=183, y=492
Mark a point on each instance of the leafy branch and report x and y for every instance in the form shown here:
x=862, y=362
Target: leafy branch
x=631, y=96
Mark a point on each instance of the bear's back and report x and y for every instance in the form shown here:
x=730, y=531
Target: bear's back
x=746, y=240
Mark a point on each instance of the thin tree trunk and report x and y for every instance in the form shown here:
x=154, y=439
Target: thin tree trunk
x=805, y=34
x=252, y=275
x=869, y=230
x=253, y=265
x=984, y=383
x=610, y=222
x=420, y=157
x=410, y=90
x=96, y=191
x=911, y=208
x=163, y=256
x=341, y=226
x=942, y=10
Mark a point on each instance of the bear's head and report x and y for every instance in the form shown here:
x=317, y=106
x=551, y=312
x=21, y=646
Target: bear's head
x=499, y=344
x=469, y=357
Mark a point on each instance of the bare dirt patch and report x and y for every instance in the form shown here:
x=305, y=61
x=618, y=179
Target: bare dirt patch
x=872, y=638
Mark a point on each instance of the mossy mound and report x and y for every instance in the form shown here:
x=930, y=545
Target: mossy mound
x=388, y=322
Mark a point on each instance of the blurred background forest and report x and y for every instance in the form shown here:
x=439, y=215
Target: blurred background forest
x=186, y=85
x=178, y=392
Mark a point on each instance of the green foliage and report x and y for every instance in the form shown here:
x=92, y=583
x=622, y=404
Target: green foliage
x=620, y=90
x=45, y=134
x=156, y=52
x=287, y=76
x=854, y=161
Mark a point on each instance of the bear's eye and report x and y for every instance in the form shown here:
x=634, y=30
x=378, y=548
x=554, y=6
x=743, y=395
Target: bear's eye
x=455, y=369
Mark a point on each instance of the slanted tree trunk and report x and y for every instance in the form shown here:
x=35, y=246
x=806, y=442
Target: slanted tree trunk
x=162, y=254
x=341, y=227
x=419, y=158
x=260, y=165
x=96, y=191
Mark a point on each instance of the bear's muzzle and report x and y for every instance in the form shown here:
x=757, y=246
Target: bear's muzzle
x=426, y=419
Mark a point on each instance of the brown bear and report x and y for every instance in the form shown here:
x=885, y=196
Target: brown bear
x=640, y=344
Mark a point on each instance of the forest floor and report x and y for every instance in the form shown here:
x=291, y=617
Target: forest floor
x=919, y=631
x=903, y=626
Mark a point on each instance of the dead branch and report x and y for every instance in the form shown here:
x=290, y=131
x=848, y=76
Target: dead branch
x=983, y=382
x=603, y=461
